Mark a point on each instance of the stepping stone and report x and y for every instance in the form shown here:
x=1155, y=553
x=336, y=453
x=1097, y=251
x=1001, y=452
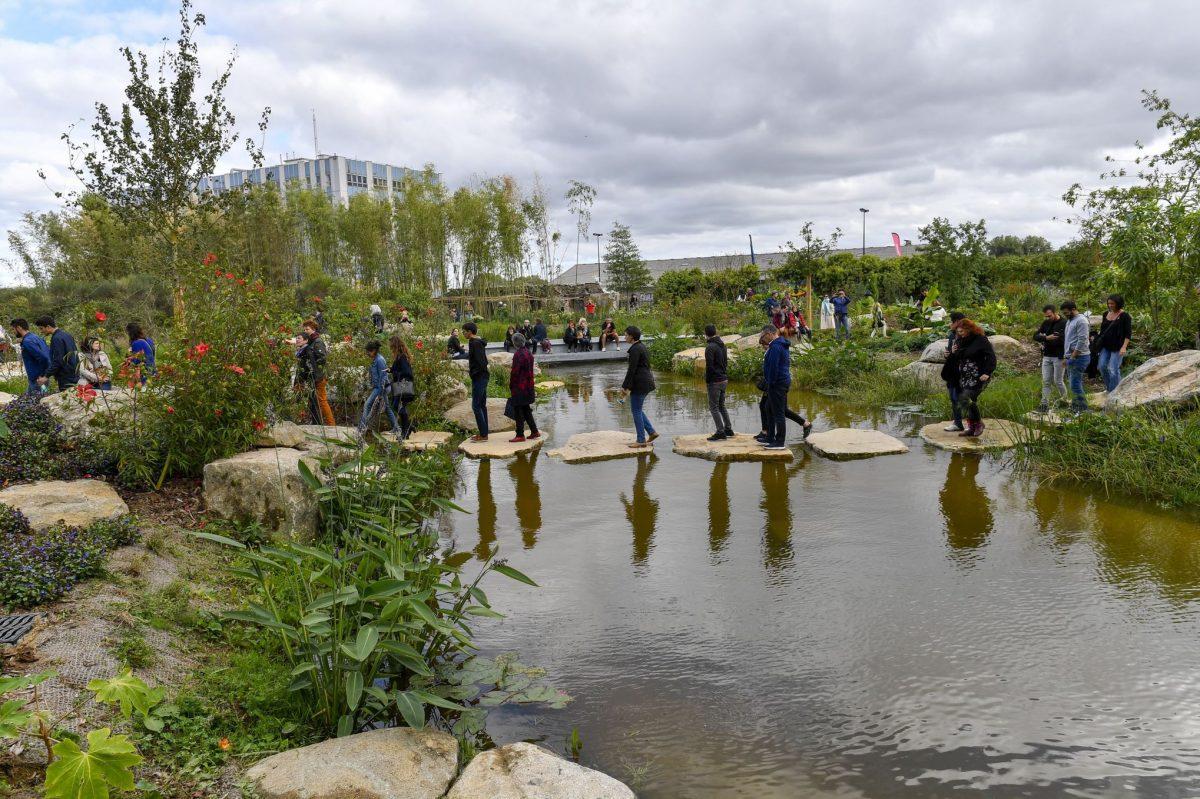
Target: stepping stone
x=73, y=502
x=498, y=446
x=742, y=447
x=264, y=486
x=426, y=439
x=462, y=416
x=1053, y=418
x=598, y=445
x=550, y=385
x=998, y=434
x=848, y=443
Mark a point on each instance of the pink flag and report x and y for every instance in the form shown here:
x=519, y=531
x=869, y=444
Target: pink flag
x=896, y=244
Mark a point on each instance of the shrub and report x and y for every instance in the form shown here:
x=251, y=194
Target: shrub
x=662, y=349
x=35, y=449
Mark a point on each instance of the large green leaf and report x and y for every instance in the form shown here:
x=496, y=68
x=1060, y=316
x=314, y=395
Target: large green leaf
x=364, y=644
x=108, y=763
x=219, y=539
x=410, y=707
x=307, y=476
x=354, y=689
x=127, y=691
x=13, y=718
x=509, y=571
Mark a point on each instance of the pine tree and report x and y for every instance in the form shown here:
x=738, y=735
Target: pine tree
x=627, y=272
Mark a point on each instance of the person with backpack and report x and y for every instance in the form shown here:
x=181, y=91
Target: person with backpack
x=403, y=386
x=64, y=355
x=377, y=374
x=716, y=379
x=35, y=356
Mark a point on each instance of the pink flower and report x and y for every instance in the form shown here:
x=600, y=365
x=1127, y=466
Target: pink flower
x=237, y=370
x=100, y=316
x=210, y=258
x=259, y=425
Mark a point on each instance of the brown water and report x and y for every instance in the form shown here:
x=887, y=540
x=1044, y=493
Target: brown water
x=921, y=625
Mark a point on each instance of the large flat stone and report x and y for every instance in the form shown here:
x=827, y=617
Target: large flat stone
x=928, y=375
x=851, y=443
x=1171, y=379
x=689, y=360
x=549, y=385
x=74, y=502
x=527, y=771
x=1007, y=347
x=998, y=434
x=281, y=434
x=446, y=390
x=422, y=440
x=741, y=447
x=934, y=352
x=462, y=416
x=263, y=486
x=598, y=445
x=77, y=416
x=338, y=444
x=745, y=342
x=394, y=763
x=498, y=446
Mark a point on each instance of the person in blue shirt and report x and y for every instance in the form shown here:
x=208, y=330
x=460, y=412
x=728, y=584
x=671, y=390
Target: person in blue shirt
x=141, y=350
x=34, y=354
x=841, y=314
x=380, y=388
x=64, y=355
x=777, y=377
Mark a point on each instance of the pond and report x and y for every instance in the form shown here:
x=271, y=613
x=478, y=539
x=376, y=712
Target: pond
x=918, y=625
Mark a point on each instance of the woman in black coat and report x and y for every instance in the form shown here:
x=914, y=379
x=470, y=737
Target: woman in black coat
x=970, y=365
x=639, y=381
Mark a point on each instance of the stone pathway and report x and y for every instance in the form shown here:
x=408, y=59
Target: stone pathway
x=846, y=443
x=742, y=447
x=498, y=446
x=73, y=502
x=424, y=439
x=998, y=435
x=598, y=445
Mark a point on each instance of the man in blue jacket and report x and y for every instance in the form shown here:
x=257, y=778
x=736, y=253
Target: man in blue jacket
x=34, y=354
x=841, y=314
x=777, y=375
x=64, y=355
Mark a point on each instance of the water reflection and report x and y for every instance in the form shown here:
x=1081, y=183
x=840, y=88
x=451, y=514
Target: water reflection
x=642, y=509
x=486, y=513
x=718, y=507
x=777, y=516
x=528, y=496
x=966, y=508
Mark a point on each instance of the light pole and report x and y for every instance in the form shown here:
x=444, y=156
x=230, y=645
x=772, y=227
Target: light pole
x=865, y=211
x=597, y=235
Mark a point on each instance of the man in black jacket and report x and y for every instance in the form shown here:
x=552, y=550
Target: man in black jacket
x=1052, y=335
x=64, y=355
x=716, y=378
x=639, y=381
x=477, y=364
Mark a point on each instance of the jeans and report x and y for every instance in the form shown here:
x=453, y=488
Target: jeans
x=955, y=408
x=1053, y=370
x=641, y=424
x=524, y=416
x=479, y=388
x=400, y=408
x=1076, y=367
x=716, y=406
x=1110, y=368
x=369, y=410
x=777, y=403
x=841, y=324
x=764, y=414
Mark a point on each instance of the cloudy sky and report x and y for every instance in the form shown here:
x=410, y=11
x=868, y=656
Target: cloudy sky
x=697, y=122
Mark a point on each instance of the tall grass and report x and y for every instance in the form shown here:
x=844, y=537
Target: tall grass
x=1149, y=453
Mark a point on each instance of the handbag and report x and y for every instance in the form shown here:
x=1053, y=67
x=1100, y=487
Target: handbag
x=509, y=410
x=404, y=389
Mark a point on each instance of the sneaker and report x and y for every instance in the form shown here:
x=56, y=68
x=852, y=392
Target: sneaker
x=638, y=444
x=953, y=428
x=517, y=440
x=651, y=438
x=718, y=436
x=762, y=438
x=729, y=432
x=774, y=446
x=478, y=438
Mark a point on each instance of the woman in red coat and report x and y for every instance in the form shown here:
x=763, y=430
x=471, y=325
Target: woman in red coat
x=521, y=391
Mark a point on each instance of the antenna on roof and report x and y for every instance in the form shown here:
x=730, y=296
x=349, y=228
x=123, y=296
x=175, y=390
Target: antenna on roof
x=316, y=147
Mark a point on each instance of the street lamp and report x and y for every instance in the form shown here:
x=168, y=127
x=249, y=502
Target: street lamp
x=598, y=236
x=865, y=211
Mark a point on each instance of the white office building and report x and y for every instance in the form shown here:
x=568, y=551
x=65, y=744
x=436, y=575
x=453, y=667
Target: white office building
x=339, y=177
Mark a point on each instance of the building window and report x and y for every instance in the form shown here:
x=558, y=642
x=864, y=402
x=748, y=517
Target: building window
x=356, y=180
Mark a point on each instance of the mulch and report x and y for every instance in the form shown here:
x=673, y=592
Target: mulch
x=179, y=502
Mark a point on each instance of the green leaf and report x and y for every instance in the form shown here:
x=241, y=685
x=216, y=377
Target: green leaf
x=307, y=476
x=434, y=699
x=108, y=763
x=13, y=718
x=354, y=689
x=220, y=539
x=364, y=644
x=411, y=709
x=128, y=691
x=479, y=610
x=345, y=725
x=509, y=571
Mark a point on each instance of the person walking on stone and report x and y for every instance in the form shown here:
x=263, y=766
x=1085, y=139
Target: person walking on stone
x=1116, y=331
x=95, y=369
x=777, y=380
x=841, y=314
x=973, y=361
x=403, y=388
x=766, y=336
x=312, y=359
x=477, y=368
x=950, y=378
x=639, y=382
x=1077, y=352
x=716, y=379
x=64, y=355
x=521, y=391
x=35, y=356
x=380, y=387
x=1051, y=336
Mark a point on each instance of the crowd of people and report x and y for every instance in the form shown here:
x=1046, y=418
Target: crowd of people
x=53, y=362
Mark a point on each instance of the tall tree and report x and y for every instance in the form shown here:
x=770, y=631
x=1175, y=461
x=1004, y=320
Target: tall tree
x=580, y=198
x=956, y=254
x=627, y=272
x=805, y=256
x=146, y=160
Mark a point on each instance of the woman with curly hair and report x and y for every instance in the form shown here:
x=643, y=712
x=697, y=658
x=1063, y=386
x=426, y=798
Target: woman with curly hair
x=970, y=365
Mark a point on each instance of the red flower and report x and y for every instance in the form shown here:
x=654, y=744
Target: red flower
x=86, y=393
x=229, y=275
x=346, y=339
x=241, y=281
x=258, y=286
x=260, y=425
x=237, y=370
x=100, y=316
x=170, y=409
x=210, y=258
x=420, y=344
x=217, y=411
x=273, y=367
x=199, y=350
